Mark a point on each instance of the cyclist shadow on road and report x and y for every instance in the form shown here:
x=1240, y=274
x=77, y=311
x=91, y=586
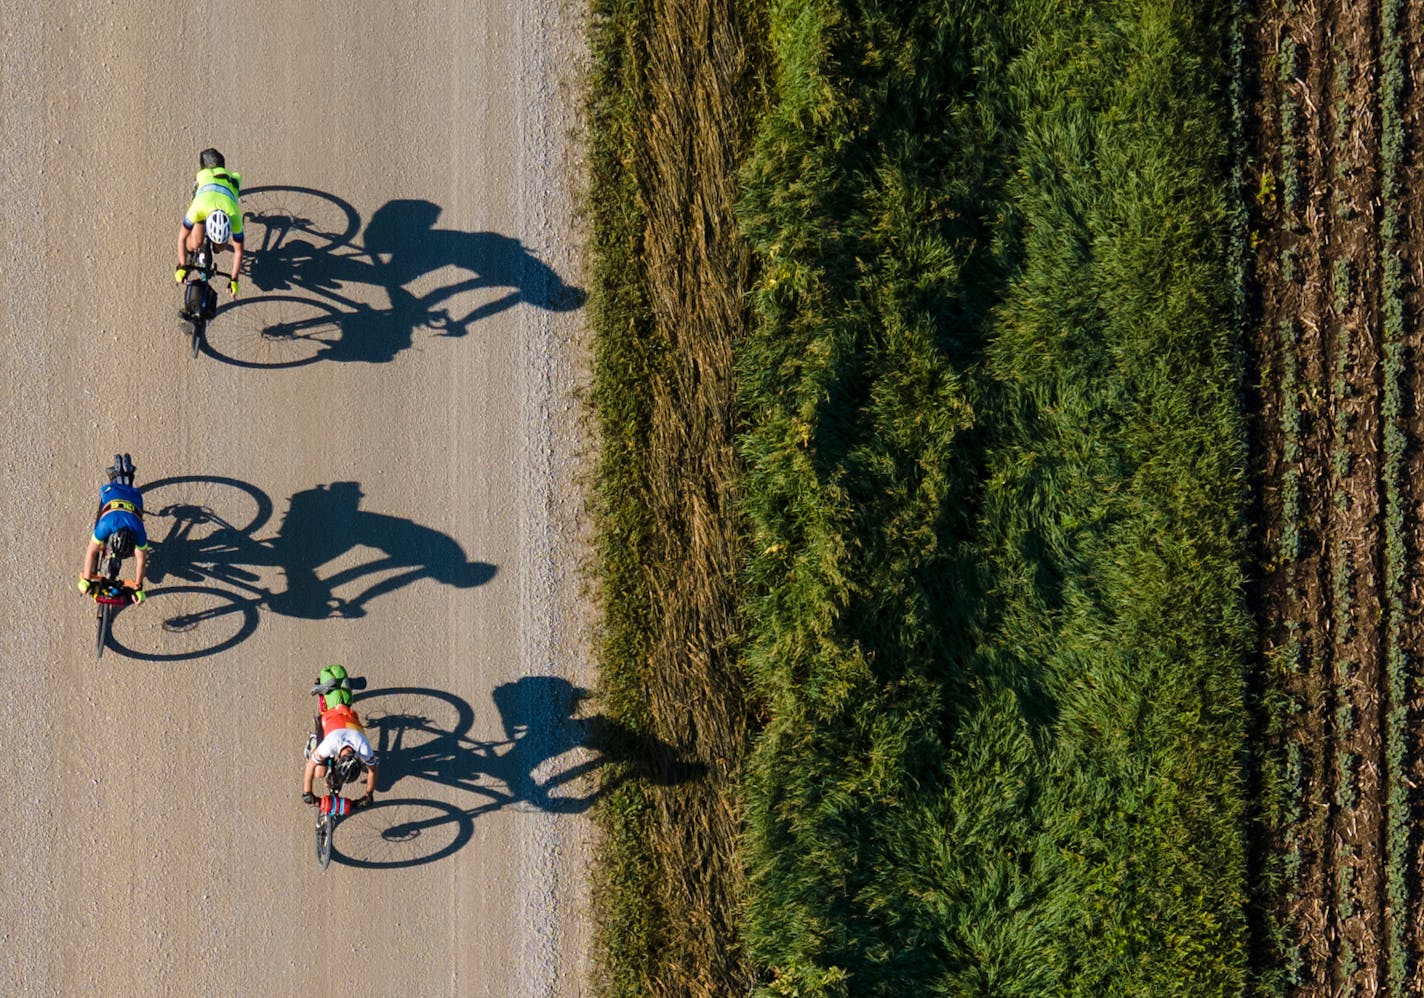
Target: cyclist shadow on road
x=324, y=523
x=212, y=571
x=551, y=759
x=322, y=284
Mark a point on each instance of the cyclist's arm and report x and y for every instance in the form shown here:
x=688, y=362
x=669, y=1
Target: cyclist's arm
x=183, y=242
x=309, y=776
x=140, y=563
x=370, y=779
x=91, y=559
x=236, y=255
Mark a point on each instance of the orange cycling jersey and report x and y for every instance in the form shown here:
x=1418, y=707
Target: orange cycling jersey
x=338, y=717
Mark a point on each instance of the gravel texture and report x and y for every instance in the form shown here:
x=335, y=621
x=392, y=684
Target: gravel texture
x=399, y=495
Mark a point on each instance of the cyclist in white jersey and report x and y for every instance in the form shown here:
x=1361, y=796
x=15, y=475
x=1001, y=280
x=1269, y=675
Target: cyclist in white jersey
x=344, y=747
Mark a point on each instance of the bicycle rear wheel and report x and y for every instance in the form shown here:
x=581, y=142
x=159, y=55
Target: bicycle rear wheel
x=194, y=293
x=325, y=823
x=106, y=613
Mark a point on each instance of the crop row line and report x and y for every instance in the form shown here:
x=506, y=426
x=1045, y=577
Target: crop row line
x=1392, y=472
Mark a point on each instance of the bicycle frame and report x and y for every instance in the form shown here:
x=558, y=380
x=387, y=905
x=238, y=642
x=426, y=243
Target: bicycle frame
x=199, y=298
x=110, y=593
x=333, y=805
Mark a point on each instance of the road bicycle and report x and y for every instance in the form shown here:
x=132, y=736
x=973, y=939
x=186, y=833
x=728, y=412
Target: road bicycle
x=200, y=301
x=110, y=593
x=332, y=805
x=107, y=590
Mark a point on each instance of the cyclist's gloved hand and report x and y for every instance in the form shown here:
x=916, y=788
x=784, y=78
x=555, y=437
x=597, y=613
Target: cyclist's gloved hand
x=308, y=798
x=139, y=595
x=366, y=801
x=85, y=585
x=232, y=287
x=179, y=275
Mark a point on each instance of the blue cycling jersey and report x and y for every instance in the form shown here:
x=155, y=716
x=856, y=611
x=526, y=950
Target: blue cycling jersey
x=120, y=506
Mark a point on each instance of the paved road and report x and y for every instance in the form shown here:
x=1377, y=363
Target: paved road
x=371, y=463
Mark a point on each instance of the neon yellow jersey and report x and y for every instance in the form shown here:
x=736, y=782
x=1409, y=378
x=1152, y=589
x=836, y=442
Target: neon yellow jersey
x=214, y=190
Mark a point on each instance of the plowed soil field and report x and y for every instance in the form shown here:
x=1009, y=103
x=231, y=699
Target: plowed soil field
x=1334, y=134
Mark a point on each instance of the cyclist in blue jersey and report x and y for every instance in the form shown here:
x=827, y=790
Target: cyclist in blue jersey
x=214, y=212
x=119, y=523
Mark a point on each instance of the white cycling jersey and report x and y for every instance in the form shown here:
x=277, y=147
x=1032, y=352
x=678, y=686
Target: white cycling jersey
x=333, y=743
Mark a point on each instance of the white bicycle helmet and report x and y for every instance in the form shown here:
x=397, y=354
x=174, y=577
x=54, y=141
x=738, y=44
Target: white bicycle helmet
x=219, y=227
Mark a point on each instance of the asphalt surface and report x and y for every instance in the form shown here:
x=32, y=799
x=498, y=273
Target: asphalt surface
x=371, y=462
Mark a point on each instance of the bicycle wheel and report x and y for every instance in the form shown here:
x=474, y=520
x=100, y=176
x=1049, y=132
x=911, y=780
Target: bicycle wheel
x=106, y=612
x=276, y=331
x=206, y=505
x=411, y=722
x=275, y=216
x=325, y=824
x=404, y=832
x=195, y=335
x=181, y=623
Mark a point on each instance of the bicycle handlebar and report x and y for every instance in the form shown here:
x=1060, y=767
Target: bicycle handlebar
x=104, y=582
x=113, y=593
x=211, y=273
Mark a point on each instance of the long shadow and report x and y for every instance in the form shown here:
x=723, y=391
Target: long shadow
x=211, y=570
x=548, y=761
x=317, y=271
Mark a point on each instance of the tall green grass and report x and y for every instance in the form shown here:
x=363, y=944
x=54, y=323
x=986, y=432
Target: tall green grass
x=995, y=480
x=993, y=475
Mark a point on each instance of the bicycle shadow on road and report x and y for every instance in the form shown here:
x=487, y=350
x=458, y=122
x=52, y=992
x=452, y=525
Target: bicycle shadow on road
x=551, y=760
x=317, y=270
x=211, y=570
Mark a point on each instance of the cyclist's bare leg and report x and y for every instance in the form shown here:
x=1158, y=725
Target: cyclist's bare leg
x=193, y=238
x=184, y=235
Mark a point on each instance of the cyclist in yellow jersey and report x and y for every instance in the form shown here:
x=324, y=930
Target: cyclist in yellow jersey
x=215, y=212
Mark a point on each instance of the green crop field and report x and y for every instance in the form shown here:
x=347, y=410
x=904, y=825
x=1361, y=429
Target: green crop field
x=941, y=434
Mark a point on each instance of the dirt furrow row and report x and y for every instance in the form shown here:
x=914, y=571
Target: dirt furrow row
x=1318, y=467
x=1409, y=248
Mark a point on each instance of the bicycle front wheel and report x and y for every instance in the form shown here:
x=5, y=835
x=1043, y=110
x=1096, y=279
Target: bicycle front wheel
x=106, y=612
x=325, y=823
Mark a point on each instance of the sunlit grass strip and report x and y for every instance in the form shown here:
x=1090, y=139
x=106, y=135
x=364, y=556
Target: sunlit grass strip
x=1084, y=343
x=668, y=115
x=1398, y=813
x=624, y=353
